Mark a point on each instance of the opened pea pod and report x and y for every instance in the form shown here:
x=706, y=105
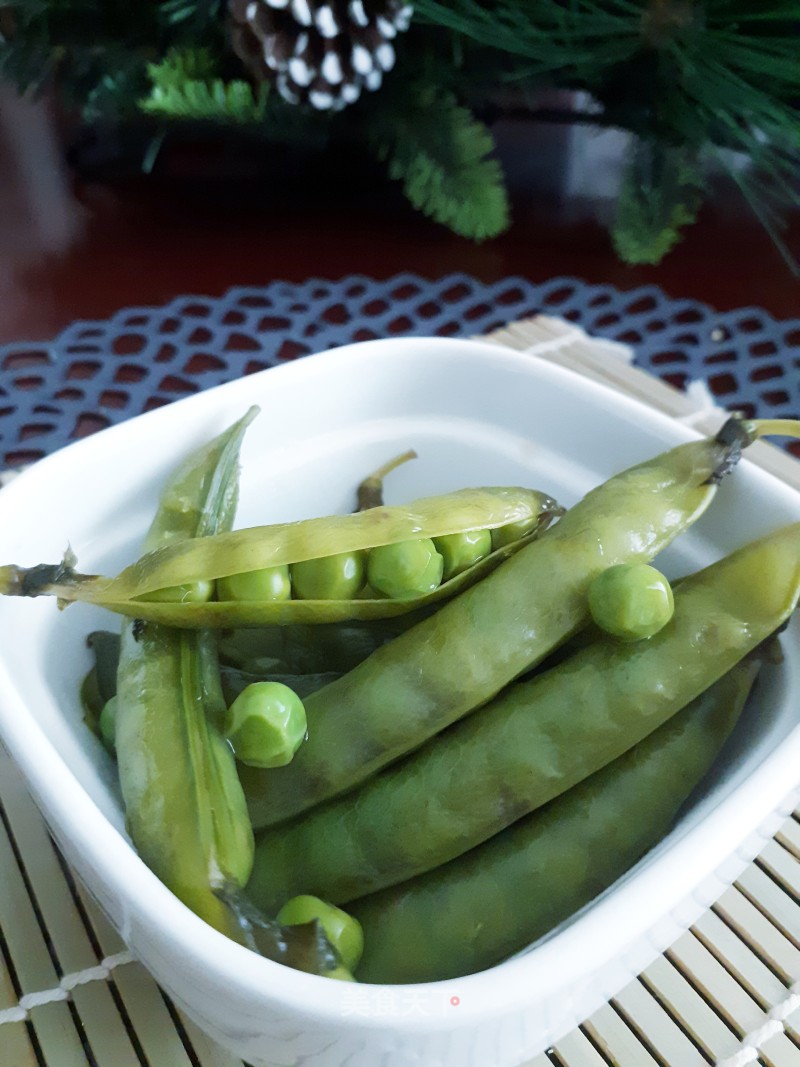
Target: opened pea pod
x=343, y=567
x=386, y=561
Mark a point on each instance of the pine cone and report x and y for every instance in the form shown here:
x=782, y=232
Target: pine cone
x=320, y=52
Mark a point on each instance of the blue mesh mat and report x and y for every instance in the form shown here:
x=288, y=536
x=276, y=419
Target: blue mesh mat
x=98, y=373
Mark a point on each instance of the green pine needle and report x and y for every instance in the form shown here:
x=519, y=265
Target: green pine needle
x=580, y=39
x=442, y=155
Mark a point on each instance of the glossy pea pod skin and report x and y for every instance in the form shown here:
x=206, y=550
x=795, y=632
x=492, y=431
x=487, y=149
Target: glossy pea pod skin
x=534, y=741
x=184, y=806
x=479, y=909
x=185, y=810
x=192, y=561
x=449, y=664
x=304, y=657
x=307, y=649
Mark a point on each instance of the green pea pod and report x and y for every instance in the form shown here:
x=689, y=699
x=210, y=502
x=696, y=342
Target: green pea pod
x=472, y=647
x=99, y=687
x=270, y=546
x=308, y=649
x=534, y=741
x=187, y=561
x=100, y=683
x=479, y=909
x=184, y=806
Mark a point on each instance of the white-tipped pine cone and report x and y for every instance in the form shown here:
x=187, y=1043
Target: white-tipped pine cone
x=320, y=52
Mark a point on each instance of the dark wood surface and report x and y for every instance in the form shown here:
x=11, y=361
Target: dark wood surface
x=145, y=241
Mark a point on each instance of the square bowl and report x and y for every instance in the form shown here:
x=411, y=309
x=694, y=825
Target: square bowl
x=476, y=414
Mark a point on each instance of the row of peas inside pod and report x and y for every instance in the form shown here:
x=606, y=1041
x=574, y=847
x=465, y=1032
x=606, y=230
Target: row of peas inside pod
x=400, y=571
x=378, y=562
x=403, y=569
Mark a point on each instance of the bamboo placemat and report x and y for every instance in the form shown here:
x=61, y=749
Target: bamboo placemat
x=727, y=993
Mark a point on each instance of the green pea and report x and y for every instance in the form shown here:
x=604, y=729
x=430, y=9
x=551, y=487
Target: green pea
x=338, y=577
x=188, y=593
x=268, y=583
x=108, y=724
x=631, y=601
x=460, y=551
x=266, y=724
x=342, y=930
x=512, y=531
x=405, y=569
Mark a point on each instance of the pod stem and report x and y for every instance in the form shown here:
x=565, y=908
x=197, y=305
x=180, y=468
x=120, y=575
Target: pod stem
x=734, y=436
x=42, y=579
x=773, y=427
x=370, y=492
x=737, y=433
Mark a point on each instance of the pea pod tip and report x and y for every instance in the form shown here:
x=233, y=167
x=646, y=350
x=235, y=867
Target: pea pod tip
x=39, y=579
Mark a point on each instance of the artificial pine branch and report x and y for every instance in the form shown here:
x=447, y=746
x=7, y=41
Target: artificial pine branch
x=442, y=156
x=214, y=101
x=180, y=65
x=661, y=193
x=697, y=77
x=576, y=41
x=682, y=74
x=185, y=86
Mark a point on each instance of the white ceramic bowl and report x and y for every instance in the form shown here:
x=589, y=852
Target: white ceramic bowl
x=476, y=414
